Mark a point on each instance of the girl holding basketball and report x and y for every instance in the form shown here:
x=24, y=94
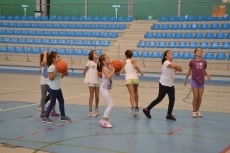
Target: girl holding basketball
x=45, y=87
x=166, y=85
x=198, y=68
x=54, y=87
x=92, y=79
x=107, y=79
x=130, y=69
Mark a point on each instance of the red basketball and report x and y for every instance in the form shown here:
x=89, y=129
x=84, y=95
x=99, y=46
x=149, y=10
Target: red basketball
x=117, y=65
x=62, y=66
x=99, y=74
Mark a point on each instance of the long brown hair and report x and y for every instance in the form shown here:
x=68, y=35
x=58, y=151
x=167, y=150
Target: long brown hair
x=41, y=58
x=50, y=58
x=163, y=58
x=90, y=56
x=100, y=63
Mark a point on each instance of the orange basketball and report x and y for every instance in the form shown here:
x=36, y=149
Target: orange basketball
x=117, y=65
x=62, y=66
x=99, y=74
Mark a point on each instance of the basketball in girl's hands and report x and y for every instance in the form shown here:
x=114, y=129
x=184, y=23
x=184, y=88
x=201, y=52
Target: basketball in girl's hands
x=117, y=65
x=99, y=74
x=61, y=66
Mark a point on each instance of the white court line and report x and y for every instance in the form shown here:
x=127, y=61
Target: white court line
x=38, y=104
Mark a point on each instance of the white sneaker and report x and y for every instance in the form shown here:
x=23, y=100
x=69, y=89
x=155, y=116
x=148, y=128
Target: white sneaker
x=133, y=112
x=92, y=114
x=194, y=114
x=105, y=124
x=39, y=109
x=97, y=111
x=199, y=114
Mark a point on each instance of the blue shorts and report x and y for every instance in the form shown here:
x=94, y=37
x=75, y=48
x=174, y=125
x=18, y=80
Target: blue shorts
x=194, y=84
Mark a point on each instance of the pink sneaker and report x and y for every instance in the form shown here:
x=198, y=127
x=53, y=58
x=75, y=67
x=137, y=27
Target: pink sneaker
x=105, y=124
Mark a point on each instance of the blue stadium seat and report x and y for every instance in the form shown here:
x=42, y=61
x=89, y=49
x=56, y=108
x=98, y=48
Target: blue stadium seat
x=81, y=26
x=3, y=32
x=114, y=35
x=16, y=40
x=135, y=53
x=37, y=50
x=43, y=25
x=152, y=44
x=154, y=54
x=204, y=26
x=17, y=18
x=44, y=18
x=80, y=34
x=183, y=27
x=52, y=18
x=214, y=45
x=88, y=26
x=87, y=52
x=163, y=19
x=7, y=24
x=54, y=50
x=23, y=18
x=41, y=33
x=35, y=25
x=89, y=34
x=21, y=50
x=4, y=49
x=9, y=18
x=96, y=19
x=198, y=35
x=121, y=27
x=214, y=26
x=1, y=25
x=172, y=19
x=104, y=19
x=13, y=49
x=225, y=45
x=49, y=33
x=105, y=35
x=176, y=55
x=149, y=35
x=113, y=27
x=224, y=26
x=204, y=45
x=73, y=26
x=8, y=40
x=181, y=19
x=142, y=44
x=168, y=35
x=174, y=27
x=13, y=25
x=209, y=35
x=40, y=41
x=208, y=56
x=105, y=26
x=96, y=26
x=31, y=41
x=145, y=54
x=74, y=18
x=58, y=26
x=3, y=17
x=89, y=18
x=18, y=32
x=186, y=55
x=33, y=33
x=165, y=27
x=62, y=51
x=23, y=41
x=106, y=43
x=129, y=19
x=89, y=43
x=219, y=18
x=65, y=33
x=97, y=34
x=28, y=25
x=156, y=27
x=57, y=33
x=80, y=42
x=178, y=35
x=172, y=44
x=99, y=52
x=10, y=32
x=64, y=42
x=159, y=35
x=97, y=43
x=20, y=25
x=193, y=26
x=188, y=35
x=55, y=42
x=29, y=50
x=45, y=49
x=71, y=51
x=47, y=41
x=120, y=19
x=220, y=56
x=38, y=18
x=79, y=52
x=59, y=18
x=200, y=18
x=227, y=36
x=112, y=19
x=220, y=35
x=182, y=45
x=227, y=18
x=66, y=18
x=161, y=44
x=65, y=26
x=81, y=18
x=73, y=34
x=209, y=18
x=72, y=42
x=50, y=25
x=190, y=18
x=2, y=40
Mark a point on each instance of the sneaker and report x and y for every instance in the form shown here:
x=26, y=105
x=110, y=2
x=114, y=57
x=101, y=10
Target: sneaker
x=133, y=112
x=97, y=112
x=66, y=119
x=54, y=114
x=92, y=114
x=39, y=108
x=137, y=109
x=194, y=114
x=105, y=124
x=170, y=117
x=199, y=114
x=147, y=113
x=47, y=120
x=43, y=114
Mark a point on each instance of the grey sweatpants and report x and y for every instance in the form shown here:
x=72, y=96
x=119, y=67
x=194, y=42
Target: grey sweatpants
x=44, y=90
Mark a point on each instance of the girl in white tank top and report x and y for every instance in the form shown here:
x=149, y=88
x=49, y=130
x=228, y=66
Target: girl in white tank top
x=130, y=69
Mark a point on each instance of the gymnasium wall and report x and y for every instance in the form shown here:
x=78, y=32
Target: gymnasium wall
x=141, y=10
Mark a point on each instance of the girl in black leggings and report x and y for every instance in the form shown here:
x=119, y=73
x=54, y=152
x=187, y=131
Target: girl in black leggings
x=166, y=85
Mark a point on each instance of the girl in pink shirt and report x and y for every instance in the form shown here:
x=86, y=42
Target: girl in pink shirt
x=198, y=68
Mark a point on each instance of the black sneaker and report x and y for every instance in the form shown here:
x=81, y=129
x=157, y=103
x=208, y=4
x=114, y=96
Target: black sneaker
x=170, y=117
x=147, y=113
x=136, y=109
x=47, y=120
x=65, y=119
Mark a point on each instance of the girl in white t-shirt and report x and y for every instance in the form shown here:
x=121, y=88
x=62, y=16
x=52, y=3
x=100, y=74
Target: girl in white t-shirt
x=130, y=69
x=92, y=79
x=107, y=80
x=166, y=85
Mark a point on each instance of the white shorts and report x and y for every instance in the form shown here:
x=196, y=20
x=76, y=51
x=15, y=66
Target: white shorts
x=93, y=85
